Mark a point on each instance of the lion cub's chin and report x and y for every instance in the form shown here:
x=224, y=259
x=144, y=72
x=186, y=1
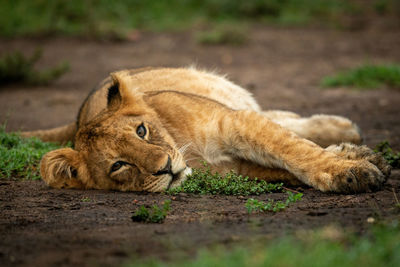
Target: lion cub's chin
x=179, y=178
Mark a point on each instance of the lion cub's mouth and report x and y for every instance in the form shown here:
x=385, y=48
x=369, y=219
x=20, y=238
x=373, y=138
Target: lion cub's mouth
x=179, y=177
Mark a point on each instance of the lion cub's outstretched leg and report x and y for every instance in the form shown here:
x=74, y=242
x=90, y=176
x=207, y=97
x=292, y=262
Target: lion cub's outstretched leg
x=251, y=136
x=323, y=130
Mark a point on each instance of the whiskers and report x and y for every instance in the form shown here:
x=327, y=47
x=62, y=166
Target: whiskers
x=184, y=149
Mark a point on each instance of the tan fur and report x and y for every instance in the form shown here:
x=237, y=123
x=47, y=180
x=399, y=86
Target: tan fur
x=191, y=115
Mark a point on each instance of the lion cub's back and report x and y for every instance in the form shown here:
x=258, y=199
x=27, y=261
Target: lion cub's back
x=198, y=82
x=187, y=80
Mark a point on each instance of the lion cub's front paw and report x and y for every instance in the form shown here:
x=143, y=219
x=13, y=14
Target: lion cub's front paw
x=363, y=176
x=354, y=152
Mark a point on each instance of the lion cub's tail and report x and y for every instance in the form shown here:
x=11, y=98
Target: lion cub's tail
x=62, y=134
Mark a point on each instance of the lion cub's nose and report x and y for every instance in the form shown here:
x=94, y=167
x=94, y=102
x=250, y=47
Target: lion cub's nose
x=166, y=169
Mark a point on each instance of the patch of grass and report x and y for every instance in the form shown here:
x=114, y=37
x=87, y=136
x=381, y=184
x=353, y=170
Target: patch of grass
x=99, y=18
x=254, y=205
x=202, y=181
x=313, y=248
x=20, y=157
x=366, y=76
x=231, y=34
x=393, y=158
x=86, y=199
x=155, y=214
x=16, y=68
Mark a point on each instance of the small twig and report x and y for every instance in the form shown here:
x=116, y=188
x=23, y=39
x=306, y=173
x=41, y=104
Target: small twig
x=395, y=197
x=291, y=190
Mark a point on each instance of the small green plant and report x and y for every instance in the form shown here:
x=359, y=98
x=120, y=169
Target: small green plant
x=393, y=158
x=86, y=199
x=202, y=181
x=20, y=157
x=223, y=34
x=155, y=215
x=16, y=68
x=366, y=76
x=254, y=205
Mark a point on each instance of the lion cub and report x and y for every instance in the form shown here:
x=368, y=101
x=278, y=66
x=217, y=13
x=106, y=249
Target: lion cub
x=143, y=129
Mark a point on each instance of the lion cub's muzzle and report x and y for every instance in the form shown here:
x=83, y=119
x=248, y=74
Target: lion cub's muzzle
x=167, y=168
x=171, y=175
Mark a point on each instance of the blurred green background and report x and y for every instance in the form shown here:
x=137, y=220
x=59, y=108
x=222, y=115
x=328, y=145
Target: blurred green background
x=94, y=18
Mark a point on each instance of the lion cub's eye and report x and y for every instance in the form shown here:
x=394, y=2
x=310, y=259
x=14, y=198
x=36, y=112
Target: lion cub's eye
x=117, y=165
x=141, y=131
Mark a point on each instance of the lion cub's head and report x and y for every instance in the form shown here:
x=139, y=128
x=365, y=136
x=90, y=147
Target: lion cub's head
x=124, y=148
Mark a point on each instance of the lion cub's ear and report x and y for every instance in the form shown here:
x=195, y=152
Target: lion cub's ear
x=114, y=98
x=120, y=93
x=61, y=168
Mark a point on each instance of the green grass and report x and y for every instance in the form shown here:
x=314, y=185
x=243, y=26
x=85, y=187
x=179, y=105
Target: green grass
x=20, y=157
x=327, y=247
x=366, y=76
x=203, y=181
x=254, y=205
x=392, y=157
x=99, y=18
x=155, y=214
x=17, y=68
x=86, y=199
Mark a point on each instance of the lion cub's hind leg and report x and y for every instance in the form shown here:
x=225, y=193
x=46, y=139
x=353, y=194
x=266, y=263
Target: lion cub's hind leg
x=62, y=134
x=323, y=130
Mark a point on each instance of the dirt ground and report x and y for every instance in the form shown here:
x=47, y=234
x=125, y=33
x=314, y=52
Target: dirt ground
x=40, y=226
